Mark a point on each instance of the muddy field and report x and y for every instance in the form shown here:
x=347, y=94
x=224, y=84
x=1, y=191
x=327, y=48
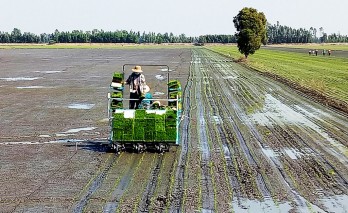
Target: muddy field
x=248, y=144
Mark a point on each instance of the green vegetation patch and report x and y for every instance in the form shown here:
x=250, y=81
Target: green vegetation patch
x=174, y=85
x=327, y=75
x=117, y=94
x=145, y=127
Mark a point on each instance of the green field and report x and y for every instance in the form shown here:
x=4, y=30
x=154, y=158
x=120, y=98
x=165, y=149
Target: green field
x=341, y=46
x=328, y=75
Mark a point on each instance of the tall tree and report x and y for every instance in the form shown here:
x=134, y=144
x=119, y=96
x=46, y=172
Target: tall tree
x=251, y=30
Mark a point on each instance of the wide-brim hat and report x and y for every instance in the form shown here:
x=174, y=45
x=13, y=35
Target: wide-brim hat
x=156, y=103
x=137, y=69
x=146, y=89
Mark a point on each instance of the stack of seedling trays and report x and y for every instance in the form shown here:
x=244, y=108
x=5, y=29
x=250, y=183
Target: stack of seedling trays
x=170, y=125
x=174, y=91
x=139, y=125
x=145, y=126
x=118, y=126
x=117, y=91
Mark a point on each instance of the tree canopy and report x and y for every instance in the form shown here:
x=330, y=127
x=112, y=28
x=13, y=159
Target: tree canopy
x=251, y=30
x=275, y=34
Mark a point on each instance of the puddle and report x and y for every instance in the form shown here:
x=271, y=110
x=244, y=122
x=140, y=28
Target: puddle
x=227, y=152
x=275, y=112
x=81, y=106
x=67, y=141
x=34, y=87
x=158, y=93
x=246, y=205
x=338, y=203
x=160, y=77
x=230, y=77
x=293, y=153
x=80, y=129
x=21, y=79
x=49, y=72
x=269, y=153
x=165, y=70
x=46, y=142
x=216, y=119
x=63, y=135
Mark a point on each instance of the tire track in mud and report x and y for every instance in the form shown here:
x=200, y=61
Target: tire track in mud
x=178, y=192
x=117, y=192
x=242, y=117
x=250, y=159
x=208, y=195
x=307, y=149
x=93, y=186
x=302, y=203
x=295, y=135
x=151, y=186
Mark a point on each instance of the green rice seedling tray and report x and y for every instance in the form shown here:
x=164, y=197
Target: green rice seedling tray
x=117, y=135
x=160, y=136
x=148, y=136
x=118, y=75
x=171, y=133
x=117, y=94
x=116, y=104
x=139, y=133
x=174, y=84
x=140, y=113
x=128, y=137
x=175, y=94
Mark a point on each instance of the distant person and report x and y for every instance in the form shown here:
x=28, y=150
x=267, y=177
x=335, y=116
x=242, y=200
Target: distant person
x=309, y=52
x=324, y=52
x=329, y=52
x=316, y=52
x=137, y=87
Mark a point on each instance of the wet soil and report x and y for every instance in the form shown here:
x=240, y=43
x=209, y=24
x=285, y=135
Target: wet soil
x=248, y=143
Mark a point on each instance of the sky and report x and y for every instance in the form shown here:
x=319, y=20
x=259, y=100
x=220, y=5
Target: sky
x=191, y=17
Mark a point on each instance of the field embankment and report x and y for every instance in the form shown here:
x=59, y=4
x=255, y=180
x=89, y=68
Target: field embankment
x=323, y=77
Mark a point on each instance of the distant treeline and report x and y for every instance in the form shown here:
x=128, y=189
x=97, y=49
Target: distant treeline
x=275, y=33
x=283, y=34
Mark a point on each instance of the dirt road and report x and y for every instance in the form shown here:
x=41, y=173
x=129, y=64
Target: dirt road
x=248, y=144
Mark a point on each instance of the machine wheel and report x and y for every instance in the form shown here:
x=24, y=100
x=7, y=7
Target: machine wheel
x=138, y=148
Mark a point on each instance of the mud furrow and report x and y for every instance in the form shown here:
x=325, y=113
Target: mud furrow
x=116, y=194
x=242, y=117
x=207, y=185
x=151, y=186
x=177, y=195
x=326, y=129
x=94, y=185
x=259, y=179
x=299, y=200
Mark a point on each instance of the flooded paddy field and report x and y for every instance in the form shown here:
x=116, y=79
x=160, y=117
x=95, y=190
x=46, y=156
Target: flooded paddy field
x=248, y=143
